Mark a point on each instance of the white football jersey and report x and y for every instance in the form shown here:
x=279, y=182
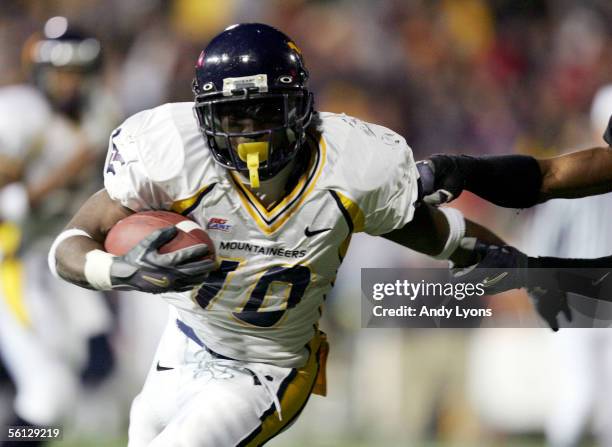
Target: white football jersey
x=276, y=264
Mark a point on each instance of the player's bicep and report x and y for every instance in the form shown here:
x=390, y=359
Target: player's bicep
x=98, y=215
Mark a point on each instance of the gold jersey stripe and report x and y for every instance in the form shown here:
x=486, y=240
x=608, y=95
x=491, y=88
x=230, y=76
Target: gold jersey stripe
x=254, y=200
x=344, y=246
x=181, y=205
x=354, y=211
x=294, y=398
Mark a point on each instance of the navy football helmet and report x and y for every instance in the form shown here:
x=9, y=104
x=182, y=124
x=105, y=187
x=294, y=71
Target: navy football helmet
x=62, y=61
x=64, y=46
x=251, y=100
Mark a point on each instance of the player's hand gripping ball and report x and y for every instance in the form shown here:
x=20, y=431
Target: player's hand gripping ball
x=159, y=251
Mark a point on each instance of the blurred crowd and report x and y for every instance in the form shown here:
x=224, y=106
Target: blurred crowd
x=452, y=76
x=458, y=76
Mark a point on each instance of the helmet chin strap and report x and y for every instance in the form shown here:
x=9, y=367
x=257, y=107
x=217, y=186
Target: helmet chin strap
x=253, y=153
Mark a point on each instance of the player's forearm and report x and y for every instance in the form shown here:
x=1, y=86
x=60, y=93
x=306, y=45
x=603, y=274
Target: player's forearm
x=511, y=181
x=517, y=181
x=464, y=255
x=438, y=232
x=84, y=234
x=70, y=257
x=578, y=174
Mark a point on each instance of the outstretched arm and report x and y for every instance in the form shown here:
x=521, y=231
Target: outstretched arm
x=579, y=174
x=517, y=181
x=438, y=233
x=433, y=231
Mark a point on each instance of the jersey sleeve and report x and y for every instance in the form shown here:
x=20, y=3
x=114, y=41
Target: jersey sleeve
x=157, y=159
x=126, y=175
x=376, y=178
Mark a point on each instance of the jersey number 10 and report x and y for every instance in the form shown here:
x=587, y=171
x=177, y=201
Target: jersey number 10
x=297, y=277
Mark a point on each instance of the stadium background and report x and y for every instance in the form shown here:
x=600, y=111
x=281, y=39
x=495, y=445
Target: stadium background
x=471, y=76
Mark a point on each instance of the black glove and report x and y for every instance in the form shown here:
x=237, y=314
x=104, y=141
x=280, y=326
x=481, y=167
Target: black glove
x=144, y=268
x=549, y=303
x=499, y=268
x=506, y=268
x=441, y=179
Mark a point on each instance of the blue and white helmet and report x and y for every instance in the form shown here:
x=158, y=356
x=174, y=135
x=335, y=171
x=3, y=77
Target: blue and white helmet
x=252, y=73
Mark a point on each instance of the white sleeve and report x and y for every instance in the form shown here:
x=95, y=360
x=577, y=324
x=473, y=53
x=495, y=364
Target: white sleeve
x=376, y=171
x=126, y=177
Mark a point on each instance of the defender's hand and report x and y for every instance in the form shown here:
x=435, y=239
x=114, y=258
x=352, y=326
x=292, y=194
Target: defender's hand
x=441, y=179
x=549, y=304
x=499, y=268
x=144, y=268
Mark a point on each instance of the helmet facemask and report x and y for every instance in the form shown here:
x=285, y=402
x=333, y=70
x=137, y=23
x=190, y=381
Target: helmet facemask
x=256, y=133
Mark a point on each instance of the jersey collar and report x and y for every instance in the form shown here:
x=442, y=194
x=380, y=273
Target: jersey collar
x=270, y=220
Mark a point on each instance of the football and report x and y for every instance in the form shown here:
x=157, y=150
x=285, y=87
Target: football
x=128, y=232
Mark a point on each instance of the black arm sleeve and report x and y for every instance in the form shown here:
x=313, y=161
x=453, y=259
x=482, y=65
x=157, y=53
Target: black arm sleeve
x=587, y=277
x=569, y=263
x=511, y=181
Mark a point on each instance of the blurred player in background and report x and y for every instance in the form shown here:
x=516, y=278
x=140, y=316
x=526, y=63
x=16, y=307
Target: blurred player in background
x=51, y=136
x=280, y=188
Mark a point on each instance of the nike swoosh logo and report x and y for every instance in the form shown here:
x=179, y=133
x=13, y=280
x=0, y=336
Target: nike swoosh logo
x=597, y=281
x=309, y=233
x=163, y=368
x=164, y=282
x=488, y=281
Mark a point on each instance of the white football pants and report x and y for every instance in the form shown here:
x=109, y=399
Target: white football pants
x=193, y=398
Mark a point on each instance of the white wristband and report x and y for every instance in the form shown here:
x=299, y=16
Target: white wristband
x=58, y=240
x=456, y=231
x=97, y=269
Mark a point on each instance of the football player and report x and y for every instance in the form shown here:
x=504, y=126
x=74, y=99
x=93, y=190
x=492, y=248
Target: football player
x=280, y=188
x=51, y=132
